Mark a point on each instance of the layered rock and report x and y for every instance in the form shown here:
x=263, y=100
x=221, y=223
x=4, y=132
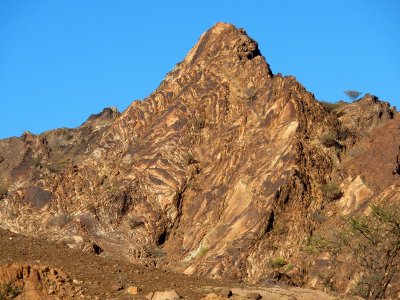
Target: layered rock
x=224, y=168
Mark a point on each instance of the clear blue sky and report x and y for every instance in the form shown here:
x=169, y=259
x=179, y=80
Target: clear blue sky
x=61, y=61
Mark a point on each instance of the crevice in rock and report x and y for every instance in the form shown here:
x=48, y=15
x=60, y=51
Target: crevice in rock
x=162, y=238
x=166, y=233
x=397, y=167
x=270, y=222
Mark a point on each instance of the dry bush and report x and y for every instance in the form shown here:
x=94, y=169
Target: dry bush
x=331, y=191
x=373, y=242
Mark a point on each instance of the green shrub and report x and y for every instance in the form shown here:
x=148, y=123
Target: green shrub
x=59, y=220
x=112, y=189
x=199, y=123
x=331, y=191
x=155, y=252
x=278, y=262
x=373, y=241
x=329, y=140
x=188, y=158
x=318, y=244
x=8, y=291
x=134, y=222
x=289, y=267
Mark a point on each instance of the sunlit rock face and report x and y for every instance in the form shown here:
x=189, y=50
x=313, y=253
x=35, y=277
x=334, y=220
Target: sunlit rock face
x=224, y=168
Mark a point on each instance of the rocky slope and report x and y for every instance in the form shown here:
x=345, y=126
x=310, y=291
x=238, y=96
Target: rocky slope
x=223, y=170
x=35, y=268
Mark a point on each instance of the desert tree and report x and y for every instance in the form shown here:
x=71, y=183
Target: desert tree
x=353, y=95
x=373, y=243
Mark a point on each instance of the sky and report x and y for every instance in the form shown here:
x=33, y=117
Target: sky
x=63, y=60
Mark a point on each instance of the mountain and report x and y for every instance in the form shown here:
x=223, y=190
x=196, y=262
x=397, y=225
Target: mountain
x=226, y=170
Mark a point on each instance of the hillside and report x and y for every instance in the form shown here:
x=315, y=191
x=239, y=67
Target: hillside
x=225, y=169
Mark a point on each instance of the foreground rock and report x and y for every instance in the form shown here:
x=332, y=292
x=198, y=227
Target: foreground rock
x=23, y=281
x=164, y=295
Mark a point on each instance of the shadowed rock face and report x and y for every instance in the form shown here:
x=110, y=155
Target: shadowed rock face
x=221, y=170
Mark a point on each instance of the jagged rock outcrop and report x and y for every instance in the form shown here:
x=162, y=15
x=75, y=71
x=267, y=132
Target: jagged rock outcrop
x=23, y=281
x=223, y=169
x=365, y=114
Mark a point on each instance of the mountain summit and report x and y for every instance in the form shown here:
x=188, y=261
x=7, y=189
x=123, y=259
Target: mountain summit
x=224, y=170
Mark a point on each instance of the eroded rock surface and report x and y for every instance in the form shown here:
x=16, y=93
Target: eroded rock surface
x=221, y=171
x=23, y=281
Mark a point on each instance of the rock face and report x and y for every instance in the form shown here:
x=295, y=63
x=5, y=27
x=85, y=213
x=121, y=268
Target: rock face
x=23, y=281
x=222, y=170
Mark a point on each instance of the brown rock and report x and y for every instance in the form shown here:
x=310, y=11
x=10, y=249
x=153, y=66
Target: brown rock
x=34, y=282
x=117, y=286
x=165, y=295
x=149, y=296
x=225, y=292
x=133, y=290
x=253, y=296
x=213, y=296
x=281, y=278
x=76, y=281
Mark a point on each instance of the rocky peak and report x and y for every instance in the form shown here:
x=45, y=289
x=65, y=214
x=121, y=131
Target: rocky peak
x=224, y=39
x=224, y=67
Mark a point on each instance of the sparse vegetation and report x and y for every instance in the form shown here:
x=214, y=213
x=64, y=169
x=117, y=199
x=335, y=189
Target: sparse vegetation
x=155, y=252
x=331, y=191
x=373, y=242
x=353, y=95
x=318, y=216
x=3, y=190
x=135, y=223
x=36, y=161
x=278, y=262
x=280, y=227
x=251, y=94
x=329, y=140
x=112, y=189
x=202, y=251
x=333, y=107
x=54, y=167
x=199, y=123
x=188, y=158
x=8, y=291
x=59, y=220
x=289, y=267
x=316, y=244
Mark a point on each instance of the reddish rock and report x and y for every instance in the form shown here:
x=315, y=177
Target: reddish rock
x=222, y=169
x=117, y=286
x=35, y=282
